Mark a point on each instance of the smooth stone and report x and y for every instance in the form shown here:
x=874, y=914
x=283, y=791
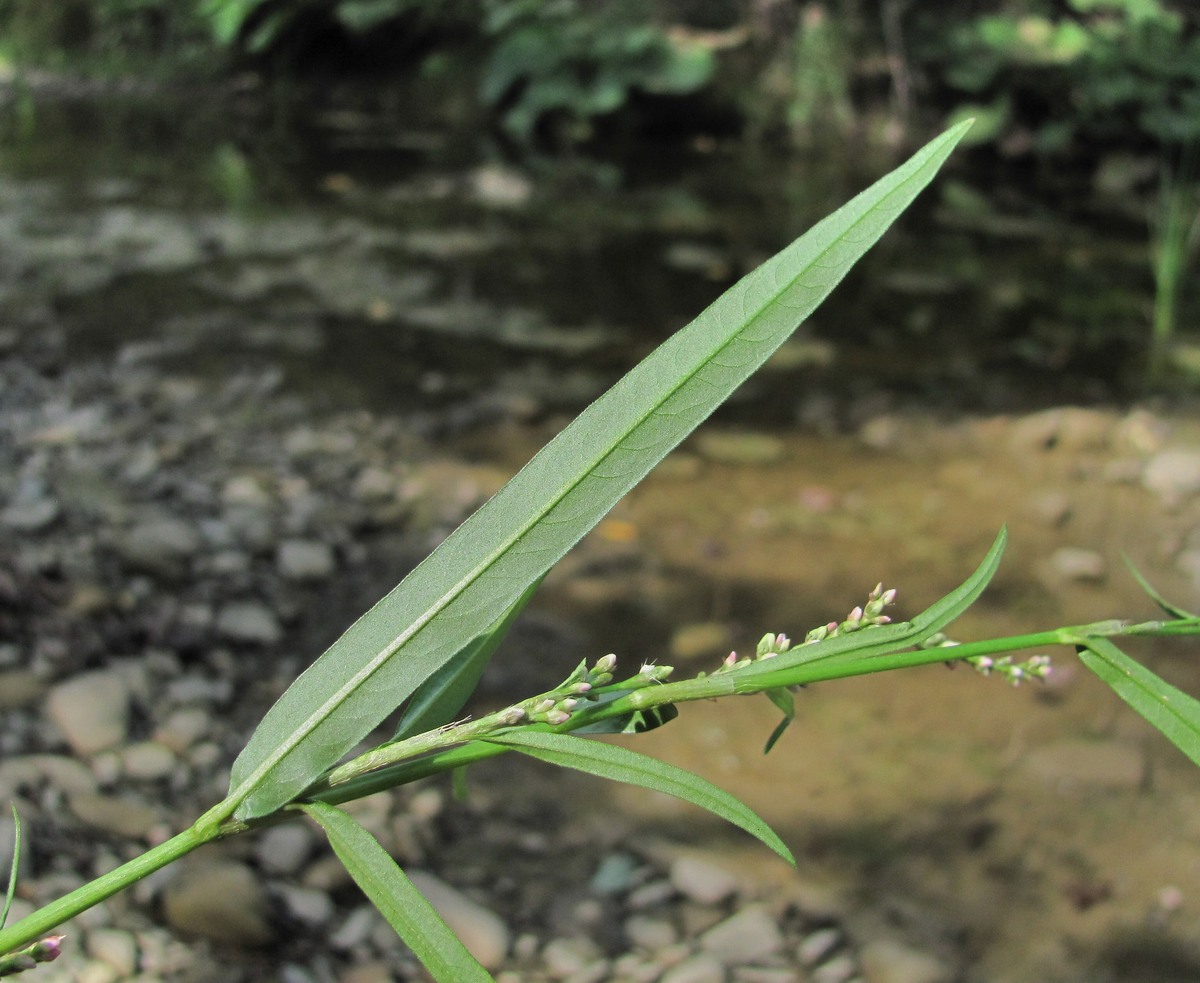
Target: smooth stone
x=305, y=560
x=375, y=972
x=310, y=907
x=130, y=818
x=30, y=516
x=649, y=933
x=92, y=710
x=249, y=622
x=159, y=546
x=701, y=968
x=748, y=936
x=739, y=447
x=702, y=881
x=1077, y=564
x=115, y=948
x=245, y=489
x=482, y=931
x=564, y=958
x=224, y=901
x=148, y=761
x=284, y=849
x=1072, y=764
x=355, y=929
x=615, y=874
x=1173, y=475
x=818, y=946
x=182, y=729
x=886, y=961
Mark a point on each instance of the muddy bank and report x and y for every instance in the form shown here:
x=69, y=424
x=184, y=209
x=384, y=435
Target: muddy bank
x=178, y=546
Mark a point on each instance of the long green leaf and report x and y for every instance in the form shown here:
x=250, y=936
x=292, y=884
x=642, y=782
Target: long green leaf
x=1169, y=709
x=623, y=765
x=397, y=898
x=446, y=692
x=484, y=566
x=886, y=639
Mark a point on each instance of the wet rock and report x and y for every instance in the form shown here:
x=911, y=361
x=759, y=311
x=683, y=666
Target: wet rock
x=305, y=560
x=224, y=901
x=1071, y=765
x=749, y=936
x=1173, y=475
x=483, y=932
x=163, y=547
x=249, y=622
x=92, y=710
x=702, y=881
x=886, y=961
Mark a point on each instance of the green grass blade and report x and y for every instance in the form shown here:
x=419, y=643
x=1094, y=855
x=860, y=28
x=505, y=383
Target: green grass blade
x=397, y=898
x=481, y=569
x=16, y=865
x=446, y=692
x=1169, y=709
x=786, y=703
x=623, y=765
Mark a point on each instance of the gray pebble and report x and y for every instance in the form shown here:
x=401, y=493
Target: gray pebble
x=162, y=547
x=1173, y=474
x=30, y=517
x=148, y=761
x=818, y=946
x=249, y=622
x=91, y=709
x=116, y=948
x=284, y=849
x=702, y=881
x=305, y=560
x=748, y=936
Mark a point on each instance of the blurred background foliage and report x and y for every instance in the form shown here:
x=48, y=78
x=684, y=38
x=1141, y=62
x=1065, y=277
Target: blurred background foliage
x=1050, y=79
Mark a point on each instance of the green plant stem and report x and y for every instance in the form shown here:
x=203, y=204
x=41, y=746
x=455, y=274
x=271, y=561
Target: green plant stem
x=41, y=922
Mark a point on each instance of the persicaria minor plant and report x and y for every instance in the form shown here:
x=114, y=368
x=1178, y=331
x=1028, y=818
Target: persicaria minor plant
x=423, y=647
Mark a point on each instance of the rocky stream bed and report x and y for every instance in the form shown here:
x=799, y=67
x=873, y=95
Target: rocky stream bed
x=178, y=546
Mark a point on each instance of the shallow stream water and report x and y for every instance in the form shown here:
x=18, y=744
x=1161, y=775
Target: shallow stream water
x=1038, y=833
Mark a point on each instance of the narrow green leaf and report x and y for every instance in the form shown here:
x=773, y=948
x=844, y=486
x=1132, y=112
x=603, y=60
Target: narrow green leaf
x=1174, y=610
x=16, y=866
x=397, y=898
x=783, y=699
x=1171, y=710
x=883, y=640
x=481, y=569
x=446, y=692
x=623, y=765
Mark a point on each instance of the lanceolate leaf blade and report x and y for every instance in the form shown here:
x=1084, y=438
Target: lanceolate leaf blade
x=483, y=567
x=620, y=764
x=397, y=898
x=1171, y=710
x=446, y=692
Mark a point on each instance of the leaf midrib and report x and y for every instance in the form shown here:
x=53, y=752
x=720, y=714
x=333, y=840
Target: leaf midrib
x=347, y=690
